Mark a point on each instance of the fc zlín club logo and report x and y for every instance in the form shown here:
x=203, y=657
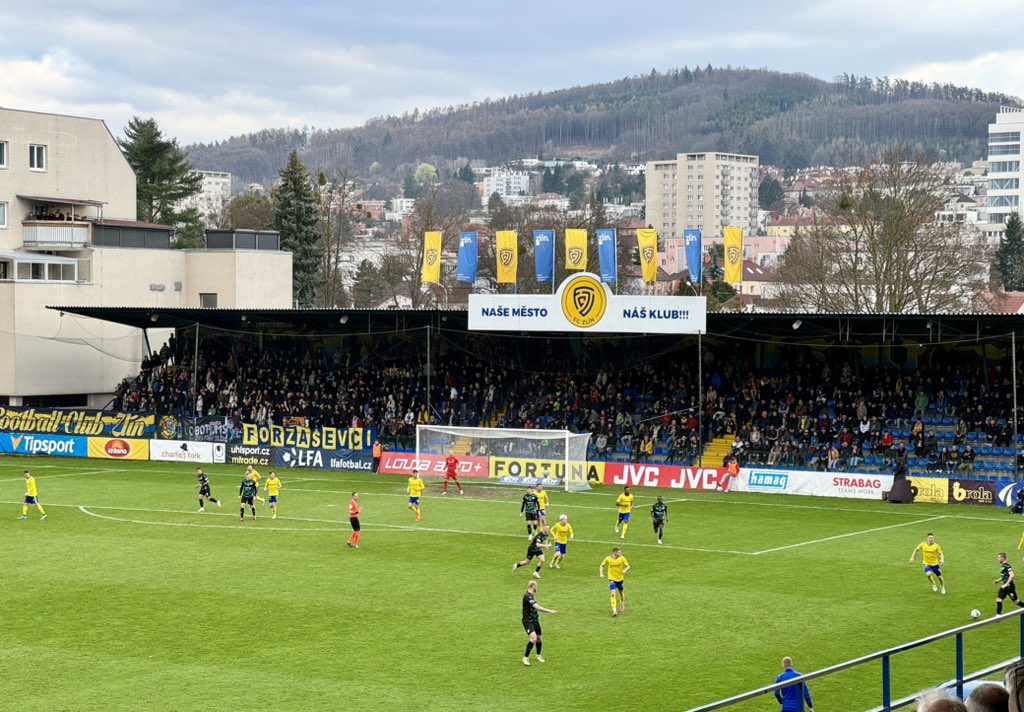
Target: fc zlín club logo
x=575, y=257
x=647, y=253
x=584, y=301
x=733, y=255
x=505, y=257
x=431, y=257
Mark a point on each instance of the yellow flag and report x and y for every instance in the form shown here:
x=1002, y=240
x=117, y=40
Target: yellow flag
x=431, y=257
x=733, y=254
x=506, y=251
x=575, y=249
x=647, y=242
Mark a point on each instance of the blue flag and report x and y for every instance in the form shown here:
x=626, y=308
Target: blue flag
x=466, y=269
x=544, y=255
x=606, y=254
x=694, y=256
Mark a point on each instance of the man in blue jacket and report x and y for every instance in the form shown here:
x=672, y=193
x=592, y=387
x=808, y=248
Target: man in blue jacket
x=792, y=698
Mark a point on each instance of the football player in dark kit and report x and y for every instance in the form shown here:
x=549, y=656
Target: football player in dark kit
x=531, y=621
x=538, y=544
x=247, y=496
x=1007, y=586
x=204, y=490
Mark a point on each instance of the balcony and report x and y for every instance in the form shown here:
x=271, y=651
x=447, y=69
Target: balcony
x=55, y=234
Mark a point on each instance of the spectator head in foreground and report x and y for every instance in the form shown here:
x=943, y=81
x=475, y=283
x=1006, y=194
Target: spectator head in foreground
x=988, y=697
x=939, y=701
x=1013, y=678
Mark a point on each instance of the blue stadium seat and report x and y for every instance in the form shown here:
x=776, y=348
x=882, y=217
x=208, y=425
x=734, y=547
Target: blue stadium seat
x=948, y=422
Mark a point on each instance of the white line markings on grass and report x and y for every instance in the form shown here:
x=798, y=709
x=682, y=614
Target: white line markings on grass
x=844, y=536
x=53, y=477
x=457, y=498
x=85, y=510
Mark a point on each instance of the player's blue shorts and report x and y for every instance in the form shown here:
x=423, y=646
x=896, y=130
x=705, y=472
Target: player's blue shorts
x=932, y=570
x=272, y=499
x=544, y=513
x=414, y=500
x=560, y=548
x=615, y=585
x=30, y=500
x=624, y=517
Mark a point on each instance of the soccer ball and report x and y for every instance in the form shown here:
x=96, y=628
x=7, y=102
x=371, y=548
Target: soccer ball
x=975, y=613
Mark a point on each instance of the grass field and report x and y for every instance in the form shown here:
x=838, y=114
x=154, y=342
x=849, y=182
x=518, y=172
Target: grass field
x=127, y=598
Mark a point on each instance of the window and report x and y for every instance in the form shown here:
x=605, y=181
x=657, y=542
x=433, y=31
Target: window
x=207, y=301
x=1003, y=201
x=3, y=214
x=1004, y=184
x=3, y=154
x=36, y=157
x=1004, y=137
x=1004, y=167
x=1004, y=149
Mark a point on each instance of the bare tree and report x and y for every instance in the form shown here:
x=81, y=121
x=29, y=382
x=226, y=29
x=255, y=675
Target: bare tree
x=878, y=248
x=336, y=226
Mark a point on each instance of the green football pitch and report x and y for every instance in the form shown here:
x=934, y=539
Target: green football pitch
x=127, y=598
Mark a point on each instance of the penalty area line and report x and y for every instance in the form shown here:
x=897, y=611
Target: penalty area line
x=846, y=535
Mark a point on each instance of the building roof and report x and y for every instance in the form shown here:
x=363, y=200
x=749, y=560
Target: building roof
x=107, y=222
x=66, y=201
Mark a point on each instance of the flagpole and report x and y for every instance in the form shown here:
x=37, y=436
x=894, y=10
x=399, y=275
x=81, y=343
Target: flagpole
x=700, y=401
x=553, y=243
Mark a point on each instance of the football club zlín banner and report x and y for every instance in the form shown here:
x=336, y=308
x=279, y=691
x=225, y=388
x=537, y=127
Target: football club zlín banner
x=465, y=271
x=507, y=254
x=544, y=255
x=733, y=254
x=606, y=255
x=575, y=249
x=647, y=244
x=431, y=257
x=694, y=257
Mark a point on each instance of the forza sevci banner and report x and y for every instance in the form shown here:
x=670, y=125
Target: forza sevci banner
x=583, y=303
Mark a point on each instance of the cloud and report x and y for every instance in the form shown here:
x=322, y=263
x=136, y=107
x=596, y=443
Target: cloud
x=993, y=71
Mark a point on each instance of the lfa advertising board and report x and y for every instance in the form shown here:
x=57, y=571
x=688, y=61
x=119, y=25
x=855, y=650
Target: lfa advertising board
x=584, y=303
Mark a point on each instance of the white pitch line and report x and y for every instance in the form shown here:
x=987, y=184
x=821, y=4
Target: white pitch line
x=53, y=477
x=848, y=534
x=396, y=528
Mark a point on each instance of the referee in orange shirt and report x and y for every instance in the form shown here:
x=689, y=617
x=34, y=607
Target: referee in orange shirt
x=353, y=517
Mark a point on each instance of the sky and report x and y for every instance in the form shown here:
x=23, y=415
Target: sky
x=207, y=70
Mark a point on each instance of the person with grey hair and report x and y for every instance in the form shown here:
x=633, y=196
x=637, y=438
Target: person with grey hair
x=1013, y=678
x=939, y=701
x=988, y=697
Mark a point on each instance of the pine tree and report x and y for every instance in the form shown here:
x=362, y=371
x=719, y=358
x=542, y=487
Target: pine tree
x=162, y=170
x=295, y=217
x=1010, y=255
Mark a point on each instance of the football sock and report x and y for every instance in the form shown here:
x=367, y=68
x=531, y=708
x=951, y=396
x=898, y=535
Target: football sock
x=253, y=511
x=519, y=565
x=1020, y=604
x=539, y=643
x=613, y=603
x=241, y=512
x=529, y=647
x=214, y=501
x=625, y=528
x=357, y=537
x=999, y=607
x=541, y=566
x=529, y=529
x=24, y=510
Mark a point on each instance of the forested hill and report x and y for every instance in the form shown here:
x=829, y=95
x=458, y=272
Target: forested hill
x=791, y=120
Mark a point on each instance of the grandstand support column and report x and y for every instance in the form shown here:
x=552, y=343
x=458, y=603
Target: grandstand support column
x=1013, y=369
x=700, y=401
x=195, y=371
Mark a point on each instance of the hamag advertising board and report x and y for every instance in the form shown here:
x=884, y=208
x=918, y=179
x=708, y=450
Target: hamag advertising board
x=584, y=303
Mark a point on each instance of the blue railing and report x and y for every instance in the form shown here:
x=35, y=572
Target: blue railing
x=886, y=656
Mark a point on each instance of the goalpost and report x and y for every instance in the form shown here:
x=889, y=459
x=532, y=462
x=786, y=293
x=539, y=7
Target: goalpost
x=524, y=453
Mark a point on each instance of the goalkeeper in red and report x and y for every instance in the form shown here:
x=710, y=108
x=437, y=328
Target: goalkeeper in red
x=451, y=467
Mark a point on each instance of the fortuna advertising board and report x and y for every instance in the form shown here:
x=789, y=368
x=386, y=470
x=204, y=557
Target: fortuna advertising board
x=584, y=303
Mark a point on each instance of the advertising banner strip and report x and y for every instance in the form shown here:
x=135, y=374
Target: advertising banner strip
x=583, y=303
x=848, y=485
x=320, y=459
x=76, y=421
x=118, y=449
x=403, y=463
x=33, y=444
x=694, y=255
x=182, y=451
x=663, y=476
x=544, y=255
x=301, y=437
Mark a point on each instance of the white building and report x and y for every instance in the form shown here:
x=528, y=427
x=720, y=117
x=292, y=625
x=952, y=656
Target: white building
x=211, y=199
x=703, y=191
x=506, y=184
x=68, y=237
x=1004, y=170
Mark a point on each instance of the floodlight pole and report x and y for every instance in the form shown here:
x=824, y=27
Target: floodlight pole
x=700, y=400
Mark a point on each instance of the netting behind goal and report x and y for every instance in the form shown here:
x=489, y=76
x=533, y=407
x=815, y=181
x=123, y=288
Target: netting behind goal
x=515, y=453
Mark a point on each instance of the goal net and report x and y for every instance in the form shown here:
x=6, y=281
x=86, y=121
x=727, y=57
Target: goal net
x=513, y=454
